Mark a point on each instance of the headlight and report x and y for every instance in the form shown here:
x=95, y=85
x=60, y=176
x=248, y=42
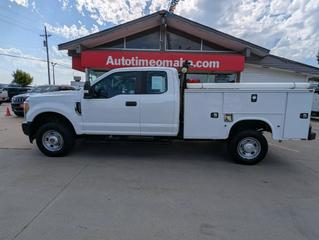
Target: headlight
x=26, y=107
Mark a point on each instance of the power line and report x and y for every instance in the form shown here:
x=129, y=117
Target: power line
x=17, y=25
x=23, y=14
x=33, y=59
x=23, y=57
x=16, y=16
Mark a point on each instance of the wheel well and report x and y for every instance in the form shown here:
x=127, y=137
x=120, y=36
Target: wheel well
x=257, y=125
x=46, y=117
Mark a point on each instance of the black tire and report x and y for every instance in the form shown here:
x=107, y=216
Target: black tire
x=66, y=134
x=19, y=114
x=236, y=151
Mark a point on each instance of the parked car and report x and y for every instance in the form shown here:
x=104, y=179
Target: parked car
x=18, y=100
x=154, y=102
x=3, y=95
x=15, y=89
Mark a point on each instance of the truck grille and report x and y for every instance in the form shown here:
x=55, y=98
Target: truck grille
x=19, y=99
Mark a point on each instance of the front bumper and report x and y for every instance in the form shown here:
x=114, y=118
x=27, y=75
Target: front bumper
x=26, y=128
x=311, y=134
x=17, y=107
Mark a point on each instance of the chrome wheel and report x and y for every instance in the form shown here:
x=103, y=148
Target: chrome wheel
x=52, y=140
x=249, y=148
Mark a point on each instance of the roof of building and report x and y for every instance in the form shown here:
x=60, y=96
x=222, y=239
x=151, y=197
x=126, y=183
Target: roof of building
x=154, y=20
x=259, y=55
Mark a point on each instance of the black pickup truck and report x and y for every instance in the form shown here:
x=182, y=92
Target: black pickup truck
x=14, y=89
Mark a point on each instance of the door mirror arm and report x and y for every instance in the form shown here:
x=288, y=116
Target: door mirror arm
x=88, y=91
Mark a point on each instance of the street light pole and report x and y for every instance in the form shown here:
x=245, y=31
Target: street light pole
x=53, y=65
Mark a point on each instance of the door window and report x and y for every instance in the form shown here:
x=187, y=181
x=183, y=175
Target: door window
x=156, y=82
x=116, y=84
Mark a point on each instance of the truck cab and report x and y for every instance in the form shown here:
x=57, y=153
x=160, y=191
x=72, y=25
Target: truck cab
x=128, y=102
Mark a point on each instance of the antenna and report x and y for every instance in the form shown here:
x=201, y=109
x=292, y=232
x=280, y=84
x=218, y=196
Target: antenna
x=172, y=5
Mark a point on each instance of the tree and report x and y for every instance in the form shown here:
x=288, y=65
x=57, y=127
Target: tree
x=22, y=78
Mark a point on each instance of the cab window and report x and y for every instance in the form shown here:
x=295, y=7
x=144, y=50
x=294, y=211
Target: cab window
x=116, y=84
x=156, y=82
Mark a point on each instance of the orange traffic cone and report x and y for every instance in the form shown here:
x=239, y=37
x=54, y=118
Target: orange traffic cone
x=8, y=114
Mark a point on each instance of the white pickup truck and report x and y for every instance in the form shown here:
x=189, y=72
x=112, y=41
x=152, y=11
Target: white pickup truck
x=153, y=101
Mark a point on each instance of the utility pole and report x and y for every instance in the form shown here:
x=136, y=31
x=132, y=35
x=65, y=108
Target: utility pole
x=45, y=43
x=53, y=65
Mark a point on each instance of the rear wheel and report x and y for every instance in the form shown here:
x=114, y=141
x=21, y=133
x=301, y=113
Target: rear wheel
x=55, y=139
x=248, y=147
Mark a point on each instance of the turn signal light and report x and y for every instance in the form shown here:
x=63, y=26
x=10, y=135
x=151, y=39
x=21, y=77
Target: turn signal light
x=26, y=107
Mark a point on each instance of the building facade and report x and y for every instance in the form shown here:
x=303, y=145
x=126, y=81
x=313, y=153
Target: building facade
x=166, y=39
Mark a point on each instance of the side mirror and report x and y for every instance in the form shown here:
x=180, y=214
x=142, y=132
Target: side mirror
x=87, y=90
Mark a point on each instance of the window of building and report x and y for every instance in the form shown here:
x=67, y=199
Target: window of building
x=156, y=82
x=116, y=84
x=177, y=40
x=213, y=77
x=94, y=74
x=149, y=39
x=114, y=44
x=208, y=46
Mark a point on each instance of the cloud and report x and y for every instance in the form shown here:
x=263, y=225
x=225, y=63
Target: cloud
x=157, y=5
x=111, y=11
x=73, y=31
x=289, y=28
x=24, y=3
x=65, y=4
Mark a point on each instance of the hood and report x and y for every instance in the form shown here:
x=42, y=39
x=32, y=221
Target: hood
x=56, y=93
x=56, y=96
x=23, y=95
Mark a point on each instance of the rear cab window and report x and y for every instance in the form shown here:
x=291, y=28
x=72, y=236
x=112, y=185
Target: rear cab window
x=155, y=83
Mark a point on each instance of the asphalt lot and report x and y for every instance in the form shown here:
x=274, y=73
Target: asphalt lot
x=156, y=191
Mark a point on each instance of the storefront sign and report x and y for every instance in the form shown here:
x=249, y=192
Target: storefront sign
x=199, y=61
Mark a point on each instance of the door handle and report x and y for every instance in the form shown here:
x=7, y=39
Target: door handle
x=131, y=104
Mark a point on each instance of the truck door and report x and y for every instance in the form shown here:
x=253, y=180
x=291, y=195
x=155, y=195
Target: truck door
x=114, y=107
x=297, y=118
x=159, y=104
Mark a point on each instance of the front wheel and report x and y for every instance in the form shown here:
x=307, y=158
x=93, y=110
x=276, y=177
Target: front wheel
x=248, y=147
x=55, y=139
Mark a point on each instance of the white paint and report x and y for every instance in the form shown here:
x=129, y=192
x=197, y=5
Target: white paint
x=253, y=73
x=271, y=107
x=158, y=114
x=315, y=103
x=297, y=103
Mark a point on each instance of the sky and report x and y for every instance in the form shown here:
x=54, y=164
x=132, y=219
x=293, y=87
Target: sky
x=289, y=28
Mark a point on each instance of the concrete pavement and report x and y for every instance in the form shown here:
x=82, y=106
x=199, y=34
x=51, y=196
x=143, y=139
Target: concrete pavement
x=156, y=191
